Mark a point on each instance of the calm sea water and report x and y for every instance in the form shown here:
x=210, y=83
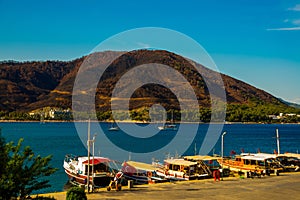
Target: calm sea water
x=59, y=139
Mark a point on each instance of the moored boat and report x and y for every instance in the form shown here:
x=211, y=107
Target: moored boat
x=114, y=127
x=180, y=169
x=290, y=163
x=141, y=173
x=259, y=164
x=168, y=127
x=102, y=170
x=294, y=155
x=208, y=164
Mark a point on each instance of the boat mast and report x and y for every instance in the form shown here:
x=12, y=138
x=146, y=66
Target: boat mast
x=222, y=153
x=88, y=144
x=277, y=137
x=93, y=174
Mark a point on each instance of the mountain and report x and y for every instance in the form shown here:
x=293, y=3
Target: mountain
x=25, y=86
x=25, y=83
x=295, y=105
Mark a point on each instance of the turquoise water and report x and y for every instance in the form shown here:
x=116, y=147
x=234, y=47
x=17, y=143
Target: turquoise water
x=59, y=139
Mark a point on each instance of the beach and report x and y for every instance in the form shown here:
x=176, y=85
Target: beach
x=285, y=186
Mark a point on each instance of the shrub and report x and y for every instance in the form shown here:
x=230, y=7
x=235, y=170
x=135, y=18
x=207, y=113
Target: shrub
x=76, y=193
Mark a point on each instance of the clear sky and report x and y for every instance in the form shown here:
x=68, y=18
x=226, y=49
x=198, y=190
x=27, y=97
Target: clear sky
x=252, y=40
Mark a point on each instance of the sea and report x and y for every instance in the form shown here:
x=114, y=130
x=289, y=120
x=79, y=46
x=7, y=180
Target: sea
x=61, y=138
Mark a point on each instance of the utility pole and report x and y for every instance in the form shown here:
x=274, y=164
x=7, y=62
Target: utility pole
x=278, y=145
x=94, y=138
x=88, y=144
x=222, y=151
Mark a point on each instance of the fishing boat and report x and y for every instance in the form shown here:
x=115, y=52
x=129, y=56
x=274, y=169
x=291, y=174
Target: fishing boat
x=180, y=169
x=101, y=170
x=289, y=163
x=208, y=164
x=260, y=164
x=141, y=173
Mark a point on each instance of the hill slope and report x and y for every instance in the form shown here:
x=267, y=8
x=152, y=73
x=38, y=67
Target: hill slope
x=31, y=85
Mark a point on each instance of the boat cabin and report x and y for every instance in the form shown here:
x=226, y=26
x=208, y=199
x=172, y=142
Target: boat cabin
x=180, y=169
x=260, y=163
x=207, y=163
x=101, y=170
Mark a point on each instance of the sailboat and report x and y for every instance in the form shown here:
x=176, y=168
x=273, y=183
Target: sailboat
x=168, y=127
x=114, y=127
x=42, y=119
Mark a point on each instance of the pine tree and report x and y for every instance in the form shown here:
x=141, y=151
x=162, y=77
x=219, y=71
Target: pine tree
x=22, y=172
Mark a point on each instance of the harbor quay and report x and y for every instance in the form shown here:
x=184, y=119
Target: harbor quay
x=284, y=186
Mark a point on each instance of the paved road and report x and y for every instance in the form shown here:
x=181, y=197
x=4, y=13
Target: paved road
x=285, y=186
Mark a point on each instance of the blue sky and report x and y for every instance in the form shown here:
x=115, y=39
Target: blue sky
x=252, y=40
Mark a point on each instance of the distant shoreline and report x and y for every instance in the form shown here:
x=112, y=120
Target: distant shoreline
x=129, y=121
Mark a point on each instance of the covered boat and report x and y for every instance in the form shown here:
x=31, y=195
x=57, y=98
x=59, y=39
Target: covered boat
x=260, y=164
x=289, y=162
x=101, y=170
x=141, y=173
x=180, y=169
x=207, y=163
x=294, y=155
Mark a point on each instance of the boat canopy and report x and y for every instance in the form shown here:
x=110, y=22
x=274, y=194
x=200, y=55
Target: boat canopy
x=295, y=155
x=141, y=166
x=199, y=157
x=97, y=160
x=257, y=157
x=180, y=162
x=267, y=155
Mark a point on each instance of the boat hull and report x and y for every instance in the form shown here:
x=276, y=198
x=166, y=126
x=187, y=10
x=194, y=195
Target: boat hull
x=101, y=181
x=137, y=179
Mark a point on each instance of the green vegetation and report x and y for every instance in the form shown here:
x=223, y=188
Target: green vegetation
x=21, y=171
x=252, y=112
x=260, y=113
x=76, y=193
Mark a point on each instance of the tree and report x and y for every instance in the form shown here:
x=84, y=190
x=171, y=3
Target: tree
x=22, y=172
x=3, y=154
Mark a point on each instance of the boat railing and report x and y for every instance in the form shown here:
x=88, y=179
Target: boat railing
x=100, y=174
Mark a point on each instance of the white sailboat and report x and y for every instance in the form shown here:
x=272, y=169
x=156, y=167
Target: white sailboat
x=169, y=127
x=114, y=127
